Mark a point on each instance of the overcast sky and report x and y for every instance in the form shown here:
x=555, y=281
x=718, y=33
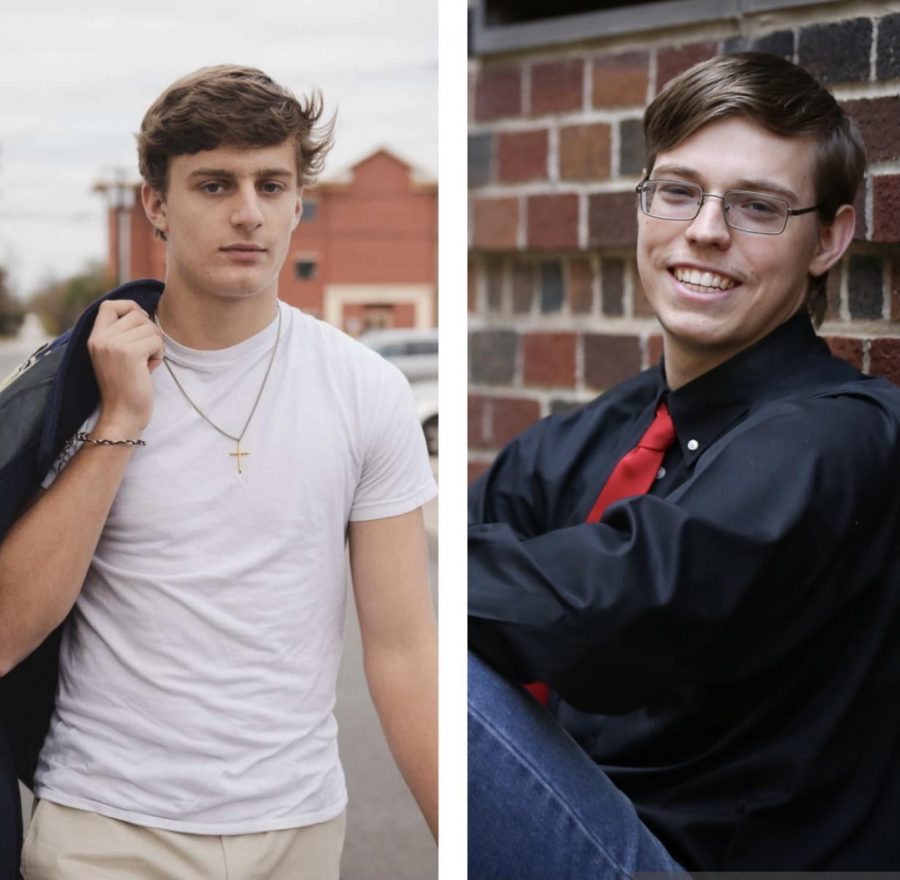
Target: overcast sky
x=74, y=86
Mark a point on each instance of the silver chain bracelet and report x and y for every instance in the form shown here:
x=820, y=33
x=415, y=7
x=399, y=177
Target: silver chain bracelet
x=85, y=438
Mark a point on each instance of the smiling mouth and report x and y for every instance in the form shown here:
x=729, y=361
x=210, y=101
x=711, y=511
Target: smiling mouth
x=702, y=282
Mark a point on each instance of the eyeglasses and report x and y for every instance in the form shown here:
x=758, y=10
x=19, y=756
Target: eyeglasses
x=747, y=211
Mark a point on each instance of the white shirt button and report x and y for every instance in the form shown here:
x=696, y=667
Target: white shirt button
x=660, y=473
x=693, y=445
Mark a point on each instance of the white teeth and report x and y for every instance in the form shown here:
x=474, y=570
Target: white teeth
x=703, y=279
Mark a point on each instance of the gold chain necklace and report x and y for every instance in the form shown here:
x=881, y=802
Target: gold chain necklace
x=240, y=452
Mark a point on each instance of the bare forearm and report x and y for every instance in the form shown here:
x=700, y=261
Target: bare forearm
x=403, y=684
x=389, y=558
x=45, y=555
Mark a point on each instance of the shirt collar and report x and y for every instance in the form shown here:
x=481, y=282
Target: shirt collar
x=703, y=408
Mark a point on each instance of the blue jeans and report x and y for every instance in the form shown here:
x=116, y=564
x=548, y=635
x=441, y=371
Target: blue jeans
x=539, y=807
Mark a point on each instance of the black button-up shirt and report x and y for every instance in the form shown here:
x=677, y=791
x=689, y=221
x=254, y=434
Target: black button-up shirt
x=726, y=647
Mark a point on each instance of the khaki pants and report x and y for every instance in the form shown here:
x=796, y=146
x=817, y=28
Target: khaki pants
x=67, y=844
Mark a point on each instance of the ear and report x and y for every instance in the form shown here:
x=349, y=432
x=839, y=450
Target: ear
x=298, y=212
x=834, y=239
x=155, y=208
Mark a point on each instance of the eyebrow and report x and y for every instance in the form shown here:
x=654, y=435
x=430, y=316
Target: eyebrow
x=224, y=174
x=755, y=184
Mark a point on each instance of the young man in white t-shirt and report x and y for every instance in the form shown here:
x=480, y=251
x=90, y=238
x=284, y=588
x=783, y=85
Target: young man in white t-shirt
x=204, y=569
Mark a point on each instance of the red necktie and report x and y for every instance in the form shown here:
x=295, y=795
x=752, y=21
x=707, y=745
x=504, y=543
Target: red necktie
x=633, y=475
x=637, y=469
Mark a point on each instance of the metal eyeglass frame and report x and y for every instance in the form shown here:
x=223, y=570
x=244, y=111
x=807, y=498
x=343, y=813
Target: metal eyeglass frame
x=640, y=189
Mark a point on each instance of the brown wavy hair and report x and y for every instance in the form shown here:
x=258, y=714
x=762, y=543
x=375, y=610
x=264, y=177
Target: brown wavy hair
x=233, y=106
x=782, y=98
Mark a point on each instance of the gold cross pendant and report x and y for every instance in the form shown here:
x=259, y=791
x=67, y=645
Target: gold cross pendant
x=240, y=454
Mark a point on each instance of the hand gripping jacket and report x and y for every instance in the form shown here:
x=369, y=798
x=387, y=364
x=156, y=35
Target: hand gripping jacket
x=41, y=406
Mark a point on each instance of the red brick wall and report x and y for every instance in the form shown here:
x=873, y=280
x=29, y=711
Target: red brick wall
x=556, y=313
x=379, y=228
x=148, y=253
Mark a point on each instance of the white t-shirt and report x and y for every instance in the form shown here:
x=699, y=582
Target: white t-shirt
x=198, y=668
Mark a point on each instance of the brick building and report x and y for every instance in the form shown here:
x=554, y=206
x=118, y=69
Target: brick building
x=556, y=312
x=364, y=254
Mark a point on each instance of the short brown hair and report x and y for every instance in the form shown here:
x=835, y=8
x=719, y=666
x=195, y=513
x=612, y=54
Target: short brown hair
x=230, y=106
x=779, y=96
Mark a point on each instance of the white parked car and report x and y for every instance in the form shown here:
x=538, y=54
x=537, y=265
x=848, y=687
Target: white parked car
x=426, y=397
x=414, y=351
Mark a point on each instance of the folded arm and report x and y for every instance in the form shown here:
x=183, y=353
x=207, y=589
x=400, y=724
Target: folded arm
x=609, y=614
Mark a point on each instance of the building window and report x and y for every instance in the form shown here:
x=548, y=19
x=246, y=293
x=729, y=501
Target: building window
x=306, y=269
x=310, y=212
x=378, y=317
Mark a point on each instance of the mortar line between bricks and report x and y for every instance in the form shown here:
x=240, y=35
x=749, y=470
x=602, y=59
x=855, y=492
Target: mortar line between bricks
x=615, y=145
x=481, y=286
x=491, y=390
x=857, y=91
x=553, y=170
x=519, y=362
x=869, y=206
x=525, y=89
x=873, y=51
x=534, y=312
x=541, y=321
x=566, y=273
x=588, y=85
x=644, y=344
x=522, y=223
x=542, y=396
x=573, y=117
x=886, y=290
x=582, y=221
x=579, y=363
x=562, y=188
x=596, y=286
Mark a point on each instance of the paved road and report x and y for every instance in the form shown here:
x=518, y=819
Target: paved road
x=387, y=839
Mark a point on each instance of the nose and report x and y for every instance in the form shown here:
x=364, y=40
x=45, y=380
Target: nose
x=709, y=226
x=247, y=213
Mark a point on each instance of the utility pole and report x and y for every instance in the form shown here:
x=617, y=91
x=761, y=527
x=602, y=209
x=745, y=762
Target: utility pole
x=120, y=200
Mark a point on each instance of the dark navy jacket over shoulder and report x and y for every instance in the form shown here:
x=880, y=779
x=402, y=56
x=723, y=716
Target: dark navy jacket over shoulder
x=39, y=411
x=726, y=647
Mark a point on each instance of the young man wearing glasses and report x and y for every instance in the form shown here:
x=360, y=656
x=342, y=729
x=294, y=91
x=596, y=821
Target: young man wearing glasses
x=701, y=565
